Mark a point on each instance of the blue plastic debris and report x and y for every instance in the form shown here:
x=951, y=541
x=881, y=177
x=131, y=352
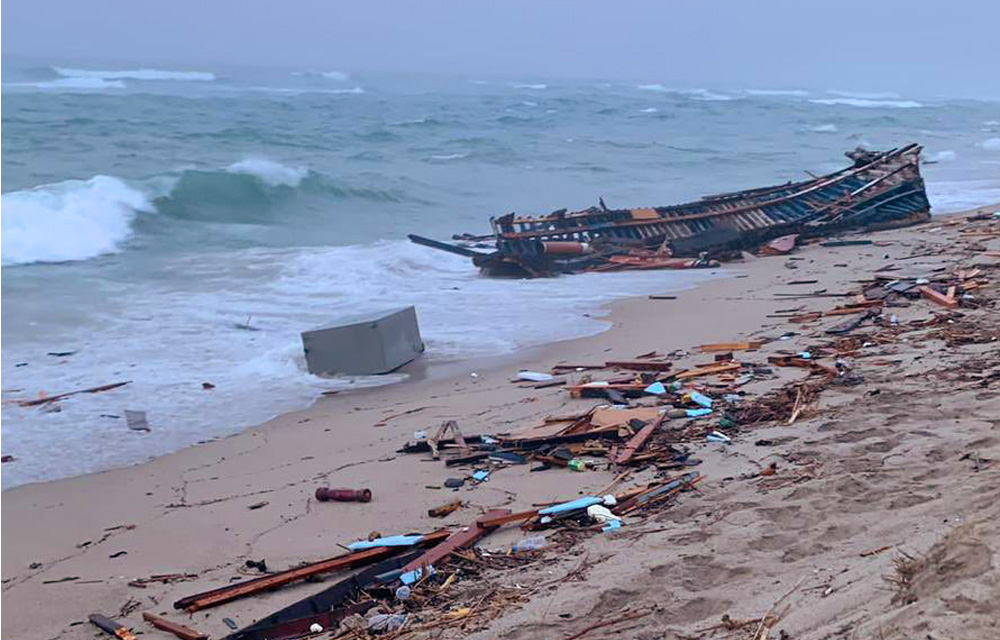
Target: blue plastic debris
x=700, y=398
x=412, y=576
x=481, y=476
x=657, y=389
x=389, y=541
x=697, y=413
x=611, y=526
x=579, y=503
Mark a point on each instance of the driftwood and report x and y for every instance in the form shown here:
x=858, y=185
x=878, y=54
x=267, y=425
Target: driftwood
x=60, y=396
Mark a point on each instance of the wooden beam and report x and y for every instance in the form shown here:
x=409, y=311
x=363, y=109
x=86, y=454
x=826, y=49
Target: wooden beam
x=708, y=371
x=179, y=630
x=639, y=365
x=464, y=537
x=746, y=345
x=937, y=297
x=636, y=442
x=229, y=593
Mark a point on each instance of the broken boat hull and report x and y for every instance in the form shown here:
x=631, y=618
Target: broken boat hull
x=879, y=190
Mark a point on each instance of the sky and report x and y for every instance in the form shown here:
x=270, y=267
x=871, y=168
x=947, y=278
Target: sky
x=927, y=48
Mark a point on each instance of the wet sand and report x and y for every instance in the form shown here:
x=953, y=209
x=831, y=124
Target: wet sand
x=904, y=459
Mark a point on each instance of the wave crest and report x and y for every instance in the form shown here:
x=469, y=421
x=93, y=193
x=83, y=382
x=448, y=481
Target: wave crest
x=869, y=103
x=271, y=173
x=135, y=74
x=71, y=220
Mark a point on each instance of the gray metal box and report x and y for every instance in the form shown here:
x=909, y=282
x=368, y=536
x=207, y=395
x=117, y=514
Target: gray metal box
x=368, y=343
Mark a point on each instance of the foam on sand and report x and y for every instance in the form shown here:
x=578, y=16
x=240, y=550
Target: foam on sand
x=71, y=220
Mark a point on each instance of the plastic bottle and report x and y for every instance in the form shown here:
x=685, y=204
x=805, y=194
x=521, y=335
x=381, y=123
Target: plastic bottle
x=577, y=465
x=531, y=543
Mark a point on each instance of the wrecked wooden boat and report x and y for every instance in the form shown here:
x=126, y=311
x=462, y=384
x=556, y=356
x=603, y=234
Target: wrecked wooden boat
x=879, y=190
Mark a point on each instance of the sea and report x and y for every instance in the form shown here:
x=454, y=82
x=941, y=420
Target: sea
x=178, y=228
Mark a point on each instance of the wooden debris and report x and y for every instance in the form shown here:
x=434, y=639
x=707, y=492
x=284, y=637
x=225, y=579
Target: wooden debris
x=60, y=396
x=179, y=630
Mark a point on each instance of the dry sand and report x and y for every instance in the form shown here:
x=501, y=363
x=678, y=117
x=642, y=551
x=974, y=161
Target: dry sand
x=905, y=459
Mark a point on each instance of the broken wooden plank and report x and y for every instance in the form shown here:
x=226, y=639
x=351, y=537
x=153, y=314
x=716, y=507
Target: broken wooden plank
x=937, y=297
x=636, y=442
x=746, y=345
x=722, y=367
x=352, y=560
x=464, y=537
x=179, y=630
x=60, y=396
x=639, y=365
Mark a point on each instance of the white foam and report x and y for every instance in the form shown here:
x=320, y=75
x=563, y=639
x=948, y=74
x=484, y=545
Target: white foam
x=878, y=95
x=649, y=110
x=517, y=85
x=188, y=335
x=990, y=144
x=75, y=84
x=529, y=103
x=944, y=156
x=136, y=74
x=696, y=94
x=292, y=91
x=337, y=76
x=271, y=173
x=947, y=197
x=449, y=156
x=824, y=128
x=777, y=92
x=865, y=102
x=71, y=220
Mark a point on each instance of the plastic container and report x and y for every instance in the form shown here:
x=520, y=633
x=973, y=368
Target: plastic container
x=531, y=543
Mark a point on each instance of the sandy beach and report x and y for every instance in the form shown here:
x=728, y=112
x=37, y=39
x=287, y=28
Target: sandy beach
x=881, y=521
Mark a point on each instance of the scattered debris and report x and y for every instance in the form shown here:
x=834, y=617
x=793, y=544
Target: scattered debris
x=326, y=494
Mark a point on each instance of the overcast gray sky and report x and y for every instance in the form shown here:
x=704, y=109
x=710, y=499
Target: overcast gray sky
x=909, y=45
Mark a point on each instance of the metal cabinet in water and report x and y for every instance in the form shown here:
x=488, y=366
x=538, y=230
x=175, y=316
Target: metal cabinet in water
x=369, y=343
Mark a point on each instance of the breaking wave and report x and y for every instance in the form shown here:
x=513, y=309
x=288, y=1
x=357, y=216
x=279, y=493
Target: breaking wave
x=990, y=144
x=517, y=85
x=135, y=74
x=867, y=102
x=271, y=173
x=75, y=84
x=824, y=128
x=777, y=92
x=71, y=220
x=696, y=94
x=82, y=219
x=338, y=76
x=877, y=95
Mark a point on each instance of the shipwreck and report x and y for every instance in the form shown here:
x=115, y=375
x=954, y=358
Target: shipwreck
x=879, y=190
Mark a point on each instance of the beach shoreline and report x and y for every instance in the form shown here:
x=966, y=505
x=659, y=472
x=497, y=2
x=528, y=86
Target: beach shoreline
x=187, y=512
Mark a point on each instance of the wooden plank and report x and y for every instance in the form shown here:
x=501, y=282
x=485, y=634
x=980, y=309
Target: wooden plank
x=229, y=593
x=746, y=345
x=179, y=630
x=708, y=371
x=464, y=537
x=937, y=297
x=639, y=365
x=636, y=442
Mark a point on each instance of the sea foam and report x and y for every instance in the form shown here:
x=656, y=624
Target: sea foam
x=75, y=84
x=135, y=74
x=271, y=173
x=71, y=220
x=990, y=144
x=867, y=102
